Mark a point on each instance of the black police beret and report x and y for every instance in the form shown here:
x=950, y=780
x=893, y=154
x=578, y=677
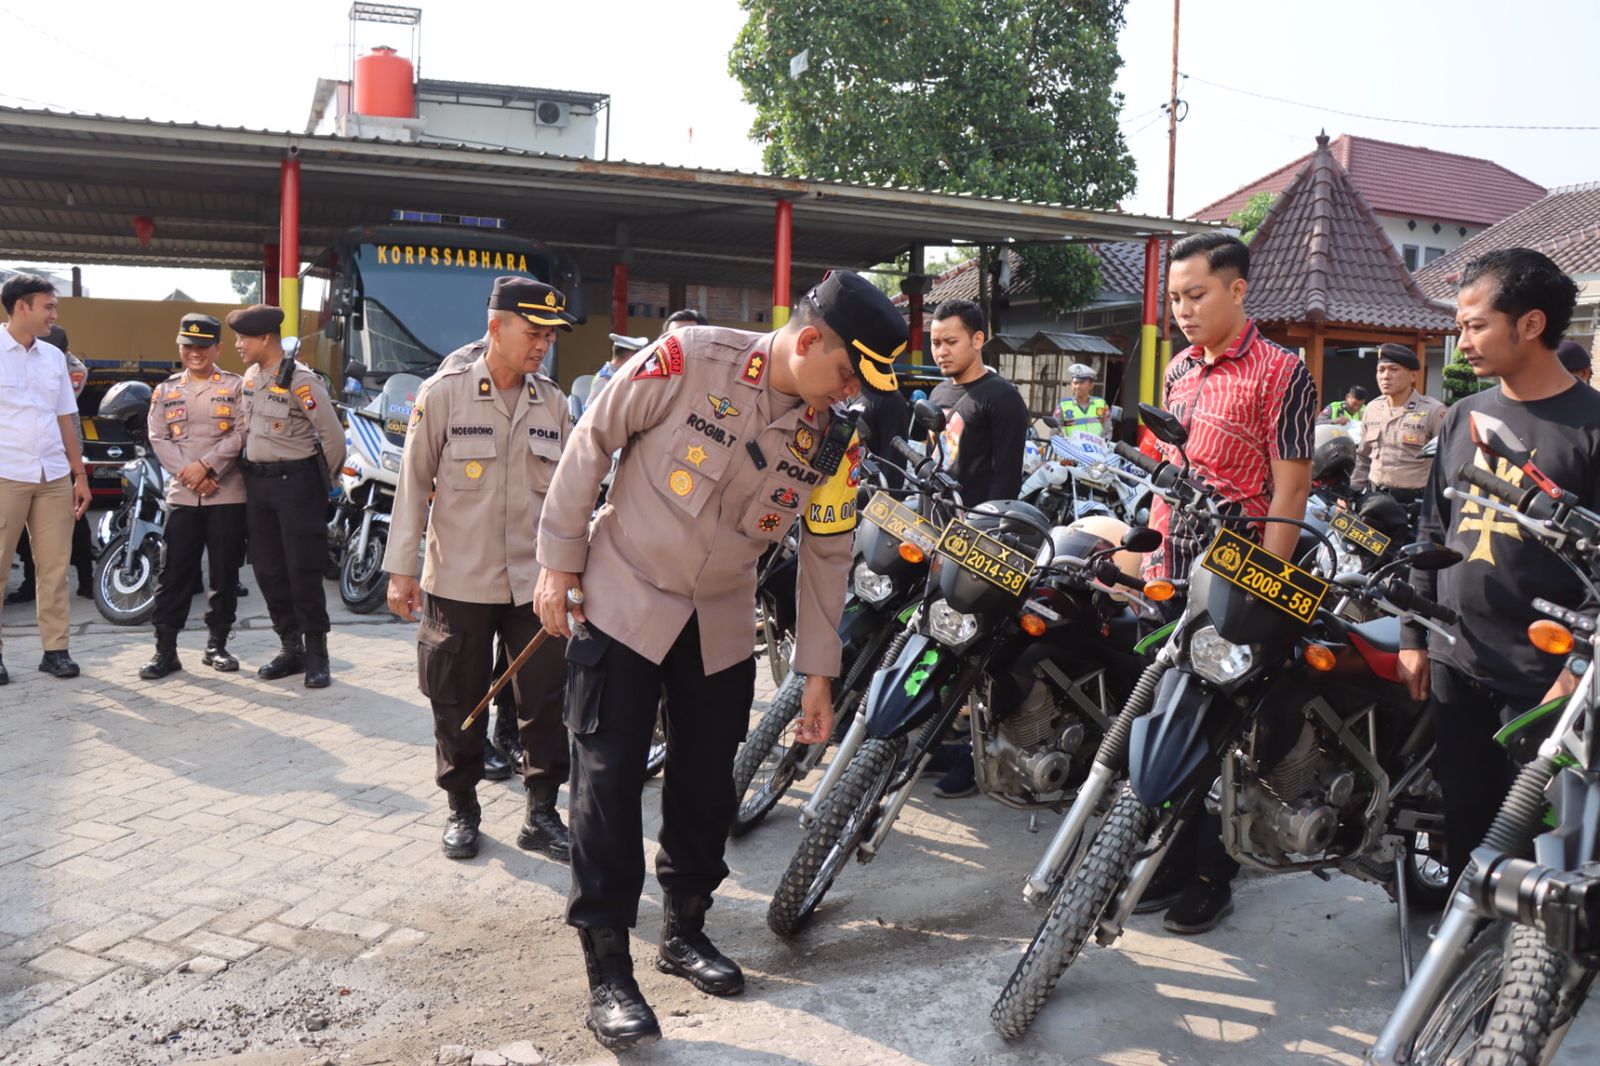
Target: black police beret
x=1572, y=355
x=872, y=330
x=58, y=337
x=1400, y=354
x=202, y=331
x=257, y=320
x=541, y=304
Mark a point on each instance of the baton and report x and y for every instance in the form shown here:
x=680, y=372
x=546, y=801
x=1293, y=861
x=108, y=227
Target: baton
x=575, y=598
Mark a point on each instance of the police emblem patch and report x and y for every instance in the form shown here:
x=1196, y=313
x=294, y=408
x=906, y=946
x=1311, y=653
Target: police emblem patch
x=177, y=430
x=473, y=470
x=223, y=426
x=801, y=446
x=681, y=483
x=786, y=497
x=722, y=407
x=769, y=522
x=695, y=455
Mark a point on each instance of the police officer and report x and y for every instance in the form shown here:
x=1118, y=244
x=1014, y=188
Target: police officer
x=484, y=440
x=194, y=428
x=292, y=448
x=1394, y=428
x=1083, y=412
x=725, y=437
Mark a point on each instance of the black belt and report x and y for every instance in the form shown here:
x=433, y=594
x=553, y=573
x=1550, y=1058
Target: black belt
x=282, y=469
x=1403, y=495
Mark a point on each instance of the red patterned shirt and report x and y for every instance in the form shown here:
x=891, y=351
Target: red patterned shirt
x=1255, y=404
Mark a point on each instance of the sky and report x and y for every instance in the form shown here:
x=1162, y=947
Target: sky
x=1432, y=63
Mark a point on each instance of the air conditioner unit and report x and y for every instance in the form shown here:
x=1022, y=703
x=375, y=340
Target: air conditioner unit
x=551, y=113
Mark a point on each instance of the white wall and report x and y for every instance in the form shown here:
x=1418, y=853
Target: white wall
x=1400, y=234
x=509, y=126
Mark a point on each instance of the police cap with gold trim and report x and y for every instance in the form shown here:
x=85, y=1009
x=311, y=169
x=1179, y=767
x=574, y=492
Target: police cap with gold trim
x=541, y=304
x=257, y=320
x=873, y=332
x=200, y=331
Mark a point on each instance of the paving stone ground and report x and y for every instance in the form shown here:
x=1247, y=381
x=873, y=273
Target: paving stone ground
x=217, y=868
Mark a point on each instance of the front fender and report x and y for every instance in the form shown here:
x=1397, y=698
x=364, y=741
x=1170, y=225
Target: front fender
x=904, y=693
x=1170, y=743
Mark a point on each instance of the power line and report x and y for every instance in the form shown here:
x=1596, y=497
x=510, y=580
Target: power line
x=1382, y=118
x=163, y=90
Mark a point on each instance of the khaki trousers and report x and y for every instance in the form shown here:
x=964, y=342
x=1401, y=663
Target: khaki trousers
x=45, y=509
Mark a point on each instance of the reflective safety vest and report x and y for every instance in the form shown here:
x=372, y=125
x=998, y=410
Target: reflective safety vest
x=1339, y=410
x=1090, y=419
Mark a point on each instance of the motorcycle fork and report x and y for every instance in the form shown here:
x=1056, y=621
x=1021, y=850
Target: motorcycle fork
x=360, y=551
x=841, y=758
x=1421, y=994
x=1139, y=878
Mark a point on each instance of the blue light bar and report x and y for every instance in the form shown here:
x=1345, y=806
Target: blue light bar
x=435, y=217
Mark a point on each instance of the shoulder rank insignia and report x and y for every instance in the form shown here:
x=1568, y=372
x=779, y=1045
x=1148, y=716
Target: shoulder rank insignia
x=483, y=386
x=831, y=510
x=754, y=367
x=722, y=407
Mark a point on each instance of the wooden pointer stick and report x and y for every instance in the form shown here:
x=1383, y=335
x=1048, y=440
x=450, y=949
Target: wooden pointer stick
x=516, y=664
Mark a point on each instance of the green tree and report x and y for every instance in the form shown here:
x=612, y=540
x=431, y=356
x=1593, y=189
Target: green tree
x=1459, y=380
x=247, y=283
x=1008, y=98
x=1249, y=217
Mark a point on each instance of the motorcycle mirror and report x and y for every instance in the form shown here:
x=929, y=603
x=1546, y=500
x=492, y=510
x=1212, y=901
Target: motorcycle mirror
x=354, y=369
x=929, y=416
x=1164, y=424
x=1052, y=421
x=1497, y=441
x=334, y=329
x=1141, y=539
x=1425, y=556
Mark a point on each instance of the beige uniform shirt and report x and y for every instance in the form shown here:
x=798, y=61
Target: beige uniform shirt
x=465, y=355
x=693, y=505
x=284, y=424
x=1392, y=439
x=199, y=420
x=488, y=467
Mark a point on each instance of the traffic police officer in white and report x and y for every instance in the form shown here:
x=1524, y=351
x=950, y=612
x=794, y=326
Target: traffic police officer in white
x=485, y=438
x=293, y=448
x=725, y=438
x=194, y=429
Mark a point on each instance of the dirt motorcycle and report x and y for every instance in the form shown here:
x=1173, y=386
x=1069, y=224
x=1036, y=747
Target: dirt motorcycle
x=1519, y=947
x=1323, y=756
x=1021, y=618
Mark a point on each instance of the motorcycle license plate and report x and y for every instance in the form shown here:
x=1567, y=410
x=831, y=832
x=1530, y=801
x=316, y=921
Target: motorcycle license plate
x=977, y=552
x=1264, y=575
x=898, y=520
x=1358, y=532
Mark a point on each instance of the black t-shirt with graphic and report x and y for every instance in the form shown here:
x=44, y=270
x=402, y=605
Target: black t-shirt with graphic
x=986, y=427
x=1503, y=567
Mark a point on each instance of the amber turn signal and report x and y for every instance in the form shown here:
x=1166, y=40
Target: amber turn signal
x=1320, y=658
x=1160, y=590
x=1033, y=625
x=1550, y=637
x=910, y=552
x=350, y=471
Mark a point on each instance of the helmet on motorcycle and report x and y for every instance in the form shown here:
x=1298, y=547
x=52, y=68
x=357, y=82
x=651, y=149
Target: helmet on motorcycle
x=127, y=403
x=1010, y=520
x=1384, y=513
x=1094, y=533
x=1334, y=460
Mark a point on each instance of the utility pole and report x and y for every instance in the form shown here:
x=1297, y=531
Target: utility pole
x=1172, y=171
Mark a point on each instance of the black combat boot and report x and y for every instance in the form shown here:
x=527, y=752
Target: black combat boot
x=289, y=660
x=460, y=839
x=543, y=831
x=687, y=952
x=495, y=767
x=316, y=660
x=504, y=736
x=217, y=655
x=165, y=660
x=618, y=1015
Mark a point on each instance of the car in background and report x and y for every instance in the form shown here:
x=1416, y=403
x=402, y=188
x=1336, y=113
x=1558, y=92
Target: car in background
x=106, y=445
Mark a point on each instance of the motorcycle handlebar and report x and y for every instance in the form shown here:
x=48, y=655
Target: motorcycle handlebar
x=1499, y=488
x=1407, y=599
x=1133, y=455
x=906, y=451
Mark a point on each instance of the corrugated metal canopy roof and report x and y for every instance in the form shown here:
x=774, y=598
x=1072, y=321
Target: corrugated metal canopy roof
x=70, y=186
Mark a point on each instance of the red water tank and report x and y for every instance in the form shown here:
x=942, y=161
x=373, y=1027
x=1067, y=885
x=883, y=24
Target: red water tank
x=383, y=85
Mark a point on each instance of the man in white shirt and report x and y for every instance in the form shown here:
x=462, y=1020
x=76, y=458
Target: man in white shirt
x=44, y=487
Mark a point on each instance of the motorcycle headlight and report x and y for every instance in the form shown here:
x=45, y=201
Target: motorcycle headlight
x=1217, y=660
x=949, y=626
x=391, y=463
x=872, y=586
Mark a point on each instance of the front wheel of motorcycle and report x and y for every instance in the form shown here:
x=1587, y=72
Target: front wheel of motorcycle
x=1073, y=919
x=769, y=758
x=125, y=590
x=363, y=585
x=1451, y=1032
x=849, y=814
x=1531, y=1002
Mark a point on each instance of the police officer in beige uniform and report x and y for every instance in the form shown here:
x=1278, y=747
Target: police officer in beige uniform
x=194, y=429
x=1394, y=428
x=485, y=438
x=293, y=448
x=725, y=436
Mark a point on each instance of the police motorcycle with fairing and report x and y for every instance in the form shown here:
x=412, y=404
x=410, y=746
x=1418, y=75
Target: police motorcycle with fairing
x=894, y=544
x=134, y=532
x=1323, y=756
x=1518, y=949
x=1078, y=479
x=358, y=531
x=1034, y=625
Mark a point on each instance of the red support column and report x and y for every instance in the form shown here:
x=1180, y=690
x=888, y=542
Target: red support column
x=289, y=246
x=619, y=298
x=269, y=274
x=782, y=236
x=1147, y=329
